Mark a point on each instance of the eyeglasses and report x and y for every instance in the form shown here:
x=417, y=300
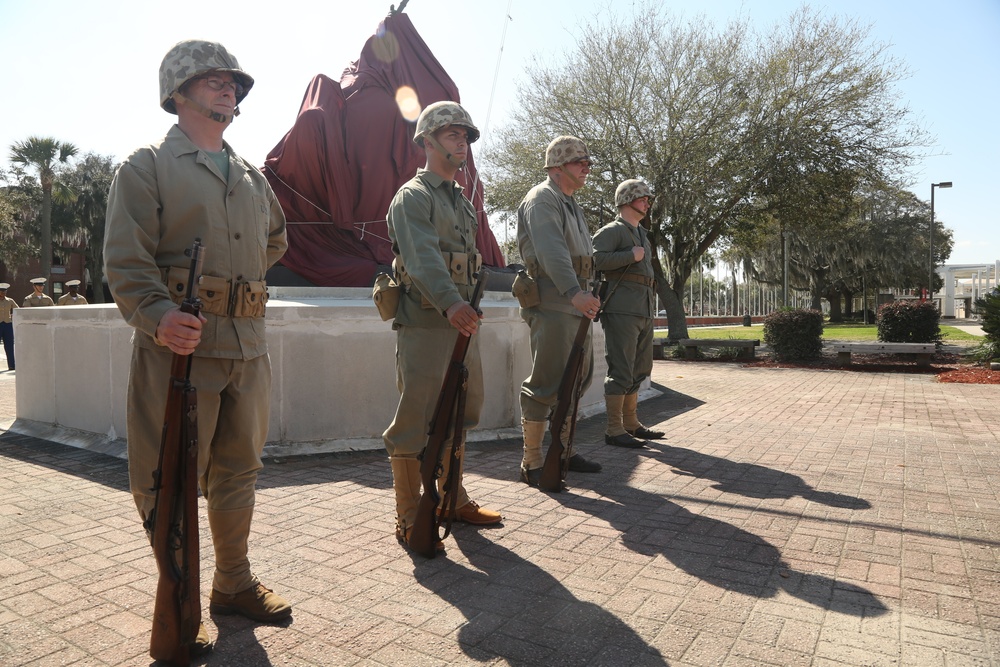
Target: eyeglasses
x=215, y=83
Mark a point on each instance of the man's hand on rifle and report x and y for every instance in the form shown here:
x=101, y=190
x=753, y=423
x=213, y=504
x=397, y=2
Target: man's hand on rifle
x=586, y=303
x=464, y=317
x=180, y=331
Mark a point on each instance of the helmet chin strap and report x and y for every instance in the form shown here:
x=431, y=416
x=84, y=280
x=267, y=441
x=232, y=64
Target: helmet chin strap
x=204, y=111
x=577, y=183
x=454, y=161
x=642, y=214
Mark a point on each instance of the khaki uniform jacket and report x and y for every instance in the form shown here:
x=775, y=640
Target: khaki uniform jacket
x=427, y=217
x=613, y=245
x=551, y=231
x=7, y=306
x=163, y=197
x=69, y=300
x=34, y=301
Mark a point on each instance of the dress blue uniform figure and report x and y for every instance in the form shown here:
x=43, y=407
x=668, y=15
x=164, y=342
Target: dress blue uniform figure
x=7, y=306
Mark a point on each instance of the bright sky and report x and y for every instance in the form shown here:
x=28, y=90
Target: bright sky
x=86, y=71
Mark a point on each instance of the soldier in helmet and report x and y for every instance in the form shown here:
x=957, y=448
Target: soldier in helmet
x=555, y=244
x=73, y=296
x=622, y=252
x=432, y=226
x=38, y=298
x=191, y=184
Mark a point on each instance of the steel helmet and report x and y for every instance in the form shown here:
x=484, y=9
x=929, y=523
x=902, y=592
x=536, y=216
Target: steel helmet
x=630, y=190
x=192, y=58
x=565, y=149
x=437, y=115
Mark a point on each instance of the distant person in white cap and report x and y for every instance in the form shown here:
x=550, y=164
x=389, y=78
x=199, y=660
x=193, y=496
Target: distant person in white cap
x=7, y=306
x=73, y=297
x=38, y=297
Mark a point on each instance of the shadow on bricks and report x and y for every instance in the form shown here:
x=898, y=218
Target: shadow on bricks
x=90, y=466
x=747, y=479
x=518, y=612
x=712, y=550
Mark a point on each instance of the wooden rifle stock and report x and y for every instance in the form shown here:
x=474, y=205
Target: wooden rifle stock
x=174, y=518
x=448, y=418
x=556, y=463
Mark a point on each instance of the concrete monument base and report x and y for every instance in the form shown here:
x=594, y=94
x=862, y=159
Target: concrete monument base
x=333, y=367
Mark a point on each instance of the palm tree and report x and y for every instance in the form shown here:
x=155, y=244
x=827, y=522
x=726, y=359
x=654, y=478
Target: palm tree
x=80, y=222
x=42, y=154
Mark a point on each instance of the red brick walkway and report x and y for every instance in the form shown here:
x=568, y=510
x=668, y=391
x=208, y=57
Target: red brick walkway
x=791, y=517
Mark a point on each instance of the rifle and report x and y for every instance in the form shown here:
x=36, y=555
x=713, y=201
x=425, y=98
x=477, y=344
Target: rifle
x=449, y=416
x=556, y=465
x=173, y=520
x=604, y=301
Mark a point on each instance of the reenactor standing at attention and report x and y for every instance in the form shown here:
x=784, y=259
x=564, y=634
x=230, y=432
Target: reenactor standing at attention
x=73, y=297
x=7, y=306
x=556, y=248
x=38, y=298
x=623, y=254
x=191, y=185
x=432, y=226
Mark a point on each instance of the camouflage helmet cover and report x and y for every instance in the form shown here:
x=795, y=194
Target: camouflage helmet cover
x=630, y=190
x=192, y=58
x=438, y=115
x=565, y=149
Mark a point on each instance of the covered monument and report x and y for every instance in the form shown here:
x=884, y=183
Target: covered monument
x=338, y=167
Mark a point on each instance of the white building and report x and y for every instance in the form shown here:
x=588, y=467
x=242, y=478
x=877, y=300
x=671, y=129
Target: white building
x=963, y=284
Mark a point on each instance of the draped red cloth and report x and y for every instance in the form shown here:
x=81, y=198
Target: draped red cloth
x=336, y=170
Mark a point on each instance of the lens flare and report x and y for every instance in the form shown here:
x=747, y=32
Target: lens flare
x=408, y=103
x=385, y=46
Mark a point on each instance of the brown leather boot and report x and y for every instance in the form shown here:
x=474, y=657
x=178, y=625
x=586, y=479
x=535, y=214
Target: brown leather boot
x=258, y=603
x=471, y=513
x=202, y=643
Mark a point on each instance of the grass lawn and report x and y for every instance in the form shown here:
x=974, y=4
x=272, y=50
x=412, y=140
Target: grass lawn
x=844, y=332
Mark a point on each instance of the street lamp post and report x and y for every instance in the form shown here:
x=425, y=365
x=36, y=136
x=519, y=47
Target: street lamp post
x=930, y=243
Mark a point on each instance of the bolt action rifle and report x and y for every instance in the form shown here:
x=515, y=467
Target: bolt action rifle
x=570, y=387
x=449, y=418
x=173, y=521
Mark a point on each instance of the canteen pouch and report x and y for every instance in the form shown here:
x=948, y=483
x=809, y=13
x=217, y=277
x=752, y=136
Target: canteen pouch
x=525, y=290
x=385, y=294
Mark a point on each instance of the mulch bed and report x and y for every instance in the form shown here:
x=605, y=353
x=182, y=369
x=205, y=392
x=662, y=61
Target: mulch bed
x=947, y=366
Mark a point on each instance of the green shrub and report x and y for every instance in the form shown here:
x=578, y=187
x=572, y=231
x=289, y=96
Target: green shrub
x=794, y=334
x=909, y=322
x=987, y=307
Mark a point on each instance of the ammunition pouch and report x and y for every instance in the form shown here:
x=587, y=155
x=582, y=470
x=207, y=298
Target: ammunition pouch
x=525, y=290
x=385, y=294
x=462, y=266
x=225, y=298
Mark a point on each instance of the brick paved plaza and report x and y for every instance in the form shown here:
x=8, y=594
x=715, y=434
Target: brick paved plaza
x=790, y=517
